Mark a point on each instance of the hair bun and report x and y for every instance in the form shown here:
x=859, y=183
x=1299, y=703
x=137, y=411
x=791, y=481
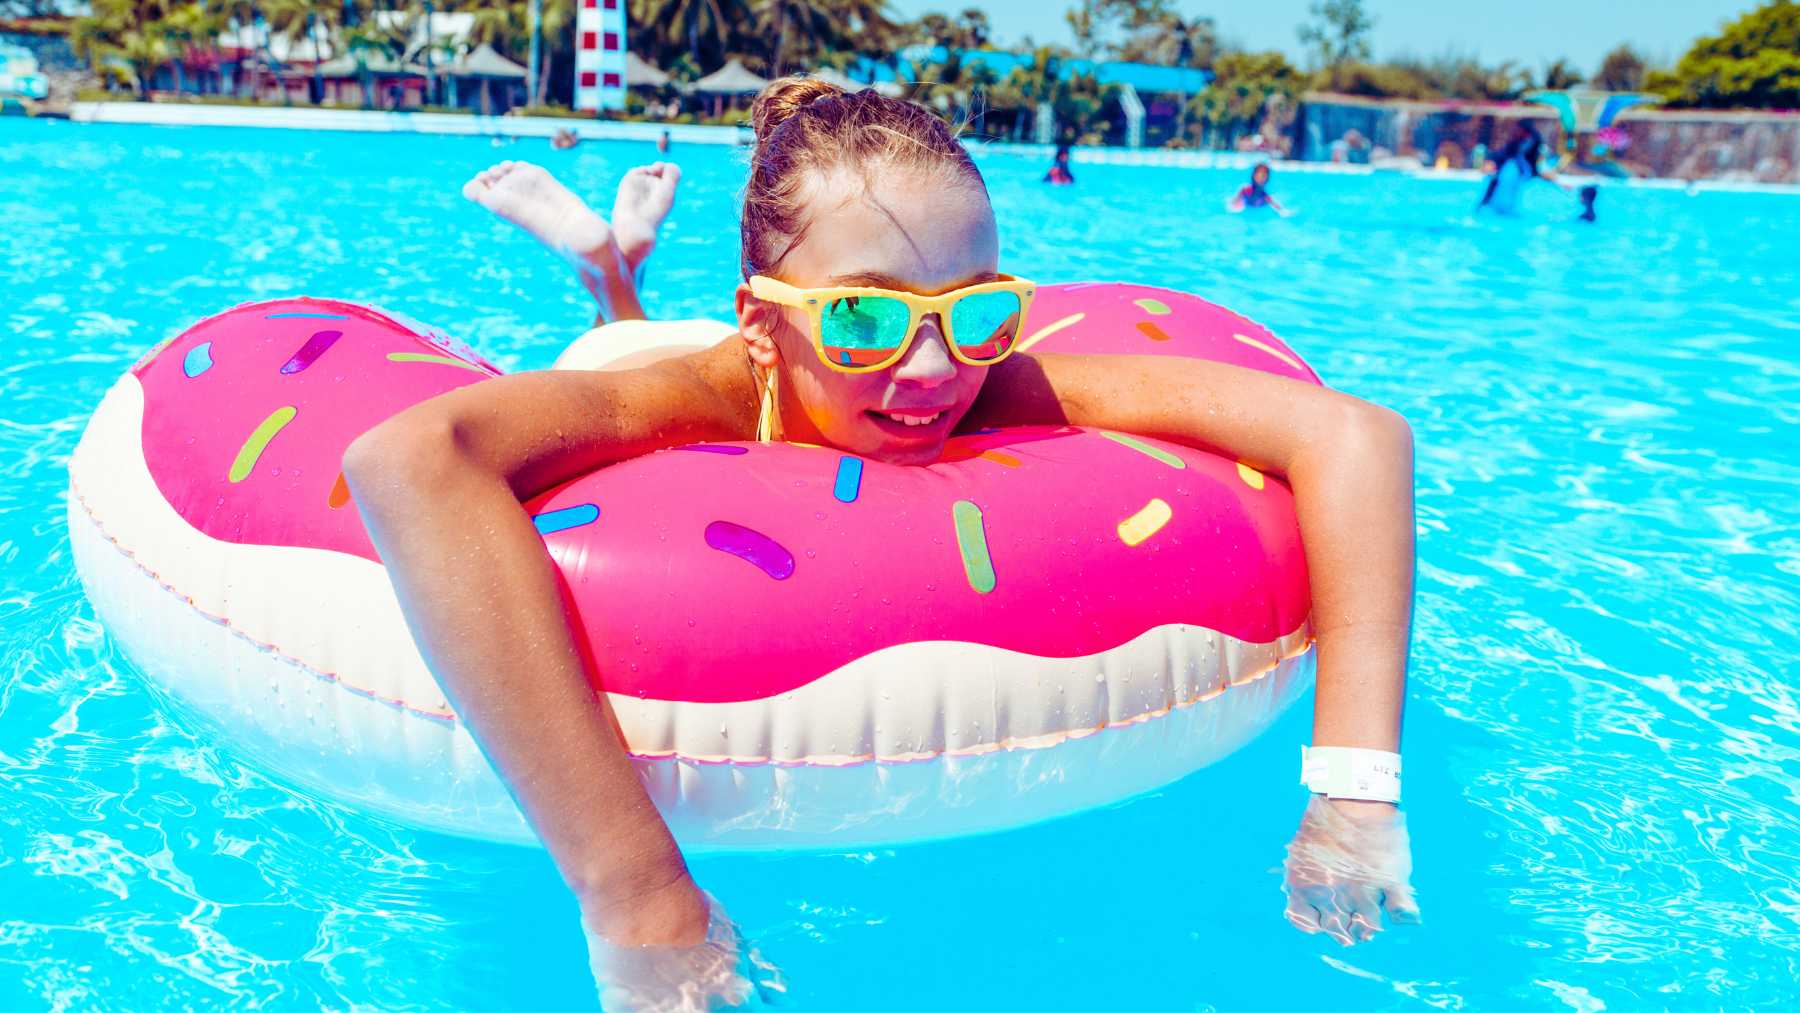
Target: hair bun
x=783, y=98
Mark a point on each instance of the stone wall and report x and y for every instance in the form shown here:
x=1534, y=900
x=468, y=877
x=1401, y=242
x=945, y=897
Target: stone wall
x=1734, y=146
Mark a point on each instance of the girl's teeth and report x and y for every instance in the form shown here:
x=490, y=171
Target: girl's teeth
x=914, y=420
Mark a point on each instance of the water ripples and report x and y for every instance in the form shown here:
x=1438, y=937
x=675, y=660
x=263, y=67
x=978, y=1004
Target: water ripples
x=1604, y=738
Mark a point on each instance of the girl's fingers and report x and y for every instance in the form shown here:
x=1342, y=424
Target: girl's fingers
x=1364, y=909
x=1301, y=913
x=1402, y=907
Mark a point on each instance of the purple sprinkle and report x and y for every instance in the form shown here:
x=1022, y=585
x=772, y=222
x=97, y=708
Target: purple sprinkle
x=315, y=346
x=752, y=547
x=714, y=448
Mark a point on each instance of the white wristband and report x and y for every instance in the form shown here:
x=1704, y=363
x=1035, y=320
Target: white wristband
x=1372, y=775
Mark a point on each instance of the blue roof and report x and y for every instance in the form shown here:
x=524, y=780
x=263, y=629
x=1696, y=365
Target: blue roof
x=1144, y=77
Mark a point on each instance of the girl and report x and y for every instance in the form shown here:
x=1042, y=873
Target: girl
x=845, y=189
x=1255, y=194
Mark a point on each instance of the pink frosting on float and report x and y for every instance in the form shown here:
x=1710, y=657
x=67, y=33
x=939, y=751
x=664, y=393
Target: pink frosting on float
x=207, y=392
x=734, y=572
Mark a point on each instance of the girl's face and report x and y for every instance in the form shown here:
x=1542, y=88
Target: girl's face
x=1260, y=175
x=916, y=232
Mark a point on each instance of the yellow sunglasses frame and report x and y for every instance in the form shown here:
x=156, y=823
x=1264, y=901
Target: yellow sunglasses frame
x=814, y=301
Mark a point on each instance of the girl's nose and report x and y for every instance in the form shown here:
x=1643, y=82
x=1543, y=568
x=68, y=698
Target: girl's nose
x=928, y=362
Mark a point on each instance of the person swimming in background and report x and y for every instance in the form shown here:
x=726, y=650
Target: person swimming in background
x=1059, y=174
x=1255, y=194
x=1588, y=195
x=1515, y=165
x=845, y=189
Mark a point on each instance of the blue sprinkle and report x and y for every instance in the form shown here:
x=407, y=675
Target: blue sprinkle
x=844, y=357
x=198, y=360
x=566, y=518
x=307, y=316
x=849, y=479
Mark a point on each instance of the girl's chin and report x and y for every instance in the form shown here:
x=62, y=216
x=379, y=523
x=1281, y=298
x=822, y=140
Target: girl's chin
x=899, y=443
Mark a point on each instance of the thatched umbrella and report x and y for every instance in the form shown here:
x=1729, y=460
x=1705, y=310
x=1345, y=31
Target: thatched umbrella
x=732, y=80
x=640, y=73
x=485, y=64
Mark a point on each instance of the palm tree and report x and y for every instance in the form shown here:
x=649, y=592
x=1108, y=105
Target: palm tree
x=718, y=23
x=814, y=22
x=294, y=21
x=134, y=32
x=1559, y=75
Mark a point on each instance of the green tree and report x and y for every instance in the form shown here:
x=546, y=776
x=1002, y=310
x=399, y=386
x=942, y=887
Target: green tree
x=1621, y=70
x=1338, y=33
x=1142, y=31
x=868, y=29
x=132, y=33
x=1170, y=40
x=1753, y=63
x=800, y=29
x=1242, y=85
x=707, y=30
x=968, y=30
x=1560, y=75
x=299, y=21
x=1079, y=102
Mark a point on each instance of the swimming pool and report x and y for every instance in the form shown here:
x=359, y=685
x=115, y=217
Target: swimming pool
x=1603, y=742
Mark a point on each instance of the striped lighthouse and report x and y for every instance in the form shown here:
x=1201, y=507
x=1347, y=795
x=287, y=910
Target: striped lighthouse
x=600, y=55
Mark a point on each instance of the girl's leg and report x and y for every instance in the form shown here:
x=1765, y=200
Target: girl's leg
x=608, y=257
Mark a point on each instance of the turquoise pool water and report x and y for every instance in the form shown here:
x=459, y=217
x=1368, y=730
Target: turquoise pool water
x=1603, y=740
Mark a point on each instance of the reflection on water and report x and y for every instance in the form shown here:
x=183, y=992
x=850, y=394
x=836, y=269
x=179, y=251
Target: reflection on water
x=1604, y=740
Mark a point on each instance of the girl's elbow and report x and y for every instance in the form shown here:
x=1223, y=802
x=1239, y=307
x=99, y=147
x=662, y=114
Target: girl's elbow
x=1372, y=431
x=401, y=458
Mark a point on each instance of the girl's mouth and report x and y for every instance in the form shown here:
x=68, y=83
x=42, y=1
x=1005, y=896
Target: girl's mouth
x=910, y=423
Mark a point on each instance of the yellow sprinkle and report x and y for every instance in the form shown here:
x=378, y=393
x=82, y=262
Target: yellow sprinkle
x=1049, y=329
x=1251, y=477
x=1276, y=352
x=1005, y=460
x=436, y=360
x=1154, y=307
x=1145, y=522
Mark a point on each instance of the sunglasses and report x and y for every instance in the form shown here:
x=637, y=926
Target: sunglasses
x=861, y=330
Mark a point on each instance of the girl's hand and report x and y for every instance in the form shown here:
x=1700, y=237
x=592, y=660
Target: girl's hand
x=716, y=973
x=1348, y=862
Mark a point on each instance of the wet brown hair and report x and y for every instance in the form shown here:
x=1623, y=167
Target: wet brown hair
x=807, y=128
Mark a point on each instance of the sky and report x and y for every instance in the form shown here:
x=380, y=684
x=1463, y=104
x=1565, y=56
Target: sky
x=1529, y=32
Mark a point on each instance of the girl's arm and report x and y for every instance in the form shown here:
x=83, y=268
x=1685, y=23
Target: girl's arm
x=1350, y=466
x=1348, y=462
x=439, y=487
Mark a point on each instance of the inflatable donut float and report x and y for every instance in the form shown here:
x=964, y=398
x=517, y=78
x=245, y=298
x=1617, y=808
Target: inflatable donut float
x=803, y=648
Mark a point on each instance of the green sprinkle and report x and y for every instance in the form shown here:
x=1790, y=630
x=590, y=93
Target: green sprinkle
x=442, y=360
x=1146, y=449
x=259, y=441
x=1154, y=307
x=972, y=540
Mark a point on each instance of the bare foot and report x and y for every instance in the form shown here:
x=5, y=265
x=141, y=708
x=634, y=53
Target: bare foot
x=532, y=199
x=645, y=196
